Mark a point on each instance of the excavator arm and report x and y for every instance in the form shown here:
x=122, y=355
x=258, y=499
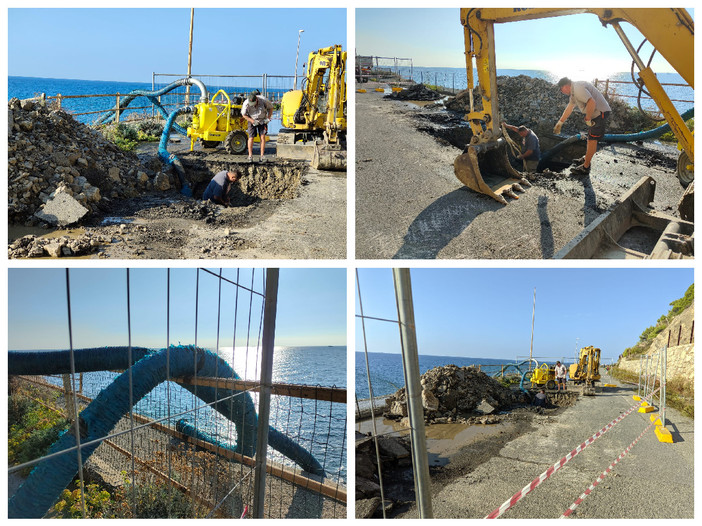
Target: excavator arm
x=670, y=31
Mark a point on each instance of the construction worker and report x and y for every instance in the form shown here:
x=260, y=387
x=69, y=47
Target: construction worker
x=531, y=150
x=561, y=372
x=596, y=109
x=217, y=190
x=257, y=110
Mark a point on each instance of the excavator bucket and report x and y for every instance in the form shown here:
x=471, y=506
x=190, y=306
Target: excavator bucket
x=328, y=157
x=485, y=168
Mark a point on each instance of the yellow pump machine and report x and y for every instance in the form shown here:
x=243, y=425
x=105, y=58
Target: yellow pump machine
x=219, y=120
x=484, y=167
x=314, y=117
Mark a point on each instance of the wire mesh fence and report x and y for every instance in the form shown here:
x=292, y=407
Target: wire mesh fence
x=174, y=432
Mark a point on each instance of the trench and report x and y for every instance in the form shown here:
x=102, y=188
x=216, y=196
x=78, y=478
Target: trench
x=268, y=180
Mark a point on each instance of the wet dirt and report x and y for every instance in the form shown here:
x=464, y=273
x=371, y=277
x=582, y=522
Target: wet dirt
x=279, y=209
x=457, y=449
x=409, y=204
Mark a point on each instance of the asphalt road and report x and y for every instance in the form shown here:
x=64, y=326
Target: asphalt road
x=654, y=480
x=409, y=205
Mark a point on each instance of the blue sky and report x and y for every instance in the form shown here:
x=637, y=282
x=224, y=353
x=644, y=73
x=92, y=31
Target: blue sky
x=311, y=308
x=486, y=313
x=575, y=45
x=130, y=44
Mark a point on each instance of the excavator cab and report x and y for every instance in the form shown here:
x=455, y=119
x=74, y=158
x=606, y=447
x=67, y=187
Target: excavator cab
x=314, y=117
x=586, y=370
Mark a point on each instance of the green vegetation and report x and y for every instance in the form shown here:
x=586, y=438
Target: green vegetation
x=146, y=500
x=650, y=333
x=128, y=135
x=32, y=428
x=680, y=393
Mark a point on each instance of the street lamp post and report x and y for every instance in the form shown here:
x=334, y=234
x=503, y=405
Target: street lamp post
x=299, y=34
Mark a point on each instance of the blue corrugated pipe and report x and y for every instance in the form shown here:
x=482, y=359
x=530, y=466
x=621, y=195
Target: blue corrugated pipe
x=171, y=159
x=151, y=95
x=612, y=137
x=276, y=439
x=48, y=479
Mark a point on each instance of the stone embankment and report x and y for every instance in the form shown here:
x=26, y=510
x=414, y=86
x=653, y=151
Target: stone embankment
x=681, y=351
x=53, y=157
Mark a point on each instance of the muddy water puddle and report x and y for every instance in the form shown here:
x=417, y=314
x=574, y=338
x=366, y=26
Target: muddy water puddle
x=17, y=231
x=443, y=440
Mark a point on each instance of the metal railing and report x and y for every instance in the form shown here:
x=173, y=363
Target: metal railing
x=178, y=444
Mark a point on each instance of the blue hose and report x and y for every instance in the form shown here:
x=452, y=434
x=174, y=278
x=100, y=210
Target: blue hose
x=170, y=158
x=152, y=96
x=612, y=137
x=276, y=439
x=48, y=479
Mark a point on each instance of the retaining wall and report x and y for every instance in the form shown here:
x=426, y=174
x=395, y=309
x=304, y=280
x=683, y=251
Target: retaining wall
x=681, y=357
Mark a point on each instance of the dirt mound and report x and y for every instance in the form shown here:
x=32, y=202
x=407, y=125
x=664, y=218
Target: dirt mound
x=49, y=152
x=455, y=394
x=538, y=104
x=415, y=92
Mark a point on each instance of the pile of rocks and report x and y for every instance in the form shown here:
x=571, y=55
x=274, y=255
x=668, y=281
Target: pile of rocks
x=538, y=104
x=65, y=246
x=415, y=92
x=50, y=153
x=455, y=394
x=394, y=457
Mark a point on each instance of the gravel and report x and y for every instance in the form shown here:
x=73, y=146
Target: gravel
x=409, y=205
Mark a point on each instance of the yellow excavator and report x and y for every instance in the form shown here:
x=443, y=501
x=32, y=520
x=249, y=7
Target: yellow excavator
x=314, y=117
x=586, y=370
x=484, y=166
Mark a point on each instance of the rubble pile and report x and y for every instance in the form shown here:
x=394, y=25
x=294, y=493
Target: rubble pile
x=50, y=153
x=64, y=246
x=394, y=457
x=538, y=104
x=415, y=92
x=455, y=394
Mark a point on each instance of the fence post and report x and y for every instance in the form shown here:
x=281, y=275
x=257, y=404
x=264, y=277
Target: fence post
x=638, y=390
x=264, y=87
x=69, y=395
x=59, y=100
x=410, y=359
x=679, y=332
x=664, y=374
x=692, y=331
x=264, y=399
x=117, y=109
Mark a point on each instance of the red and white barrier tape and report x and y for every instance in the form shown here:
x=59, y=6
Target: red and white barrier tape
x=558, y=465
x=602, y=476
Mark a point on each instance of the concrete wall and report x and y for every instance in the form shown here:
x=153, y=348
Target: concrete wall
x=681, y=358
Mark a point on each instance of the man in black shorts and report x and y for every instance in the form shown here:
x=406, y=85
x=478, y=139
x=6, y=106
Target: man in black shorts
x=257, y=110
x=596, y=109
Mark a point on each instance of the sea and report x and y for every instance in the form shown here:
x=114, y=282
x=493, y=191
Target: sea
x=88, y=109
x=387, y=374
x=318, y=426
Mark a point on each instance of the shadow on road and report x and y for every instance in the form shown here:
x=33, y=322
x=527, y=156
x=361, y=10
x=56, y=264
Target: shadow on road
x=439, y=223
x=546, y=229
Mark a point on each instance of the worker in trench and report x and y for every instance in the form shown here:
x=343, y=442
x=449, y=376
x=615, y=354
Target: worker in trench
x=596, y=109
x=257, y=111
x=217, y=190
x=531, y=150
